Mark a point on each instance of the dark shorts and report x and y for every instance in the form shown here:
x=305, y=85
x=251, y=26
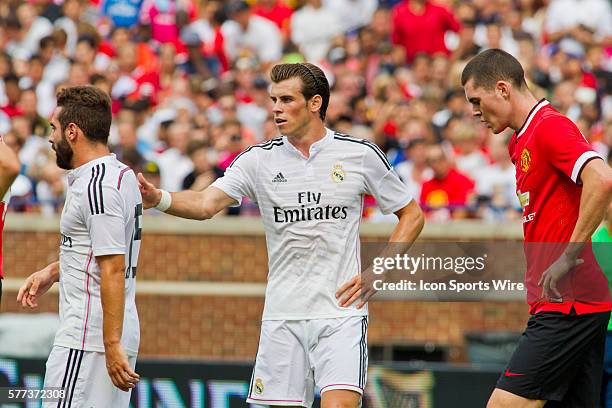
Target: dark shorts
x=559, y=358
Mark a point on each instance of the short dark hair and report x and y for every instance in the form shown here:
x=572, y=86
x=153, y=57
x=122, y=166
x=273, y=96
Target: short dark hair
x=313, y=79
x=89, y=39
x=87, y=107
x=47, y=41
x=491, y=66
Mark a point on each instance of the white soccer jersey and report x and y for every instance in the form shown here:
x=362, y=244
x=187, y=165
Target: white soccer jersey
x=311, y=210
x=102, y=216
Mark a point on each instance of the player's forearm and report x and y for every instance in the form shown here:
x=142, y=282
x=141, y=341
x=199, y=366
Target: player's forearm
x=410, y=225
x=112, y=289
x=54, y=271
x=9, y=168
x=595, y=198
x=189, y=204
x=407, y=230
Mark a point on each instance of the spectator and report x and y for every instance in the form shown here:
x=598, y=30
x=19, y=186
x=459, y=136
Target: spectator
x=313, y=29
x=420, y=26
x=414, y=171
x=13, y=94
x=72, y=25
x=128, y=149
x=202, y=175
x=448, y=192
x=33, y=27
x=174, y=164
x=211, y=45
x=496, y=184
x=278, y=13
x=57, y=66
x=469, y=159
x=246, y=34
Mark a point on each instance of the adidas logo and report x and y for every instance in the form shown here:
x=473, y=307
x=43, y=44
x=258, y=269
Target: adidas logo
x=279, y=178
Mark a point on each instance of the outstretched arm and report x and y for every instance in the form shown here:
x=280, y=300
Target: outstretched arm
x=197, y=205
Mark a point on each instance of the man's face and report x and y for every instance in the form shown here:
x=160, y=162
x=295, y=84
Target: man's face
x=438, y=162
x=290, y=109
x=59, y=143
x=489, y=106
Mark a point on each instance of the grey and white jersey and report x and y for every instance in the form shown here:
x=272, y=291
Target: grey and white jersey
x=311, y=210
x=102, y=216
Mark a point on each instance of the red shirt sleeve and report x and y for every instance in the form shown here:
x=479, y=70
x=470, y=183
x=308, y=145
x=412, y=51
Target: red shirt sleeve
x=564, y=146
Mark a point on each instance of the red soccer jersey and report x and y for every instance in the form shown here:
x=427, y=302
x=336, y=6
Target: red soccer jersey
x=549, y=152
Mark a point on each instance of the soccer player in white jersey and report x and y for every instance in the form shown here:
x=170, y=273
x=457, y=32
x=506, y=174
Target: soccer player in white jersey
x=309, y=185
x=94, y=353
x=9, y=169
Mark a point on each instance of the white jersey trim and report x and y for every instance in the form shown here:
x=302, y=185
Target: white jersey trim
x=531, y=115
x=581, y=161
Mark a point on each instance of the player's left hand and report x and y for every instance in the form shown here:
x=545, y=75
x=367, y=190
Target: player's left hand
x=360, y=286
x=121, y=373
x=555, y=272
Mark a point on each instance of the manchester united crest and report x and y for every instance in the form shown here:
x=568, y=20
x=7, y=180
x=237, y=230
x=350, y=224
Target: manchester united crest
x=525, y=160
x=338, y=174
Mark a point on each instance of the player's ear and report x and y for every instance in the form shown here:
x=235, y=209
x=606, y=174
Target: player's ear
x=315, y=103
x=503, y=89
x=72, y=130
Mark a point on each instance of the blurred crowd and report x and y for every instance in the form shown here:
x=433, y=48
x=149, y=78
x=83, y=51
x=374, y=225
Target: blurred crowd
x=189, y=84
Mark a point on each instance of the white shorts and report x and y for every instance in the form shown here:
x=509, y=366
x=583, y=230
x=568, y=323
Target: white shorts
x=294, y=356
x=84, y=377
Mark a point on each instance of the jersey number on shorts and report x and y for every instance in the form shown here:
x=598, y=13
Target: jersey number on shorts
x=130, y=271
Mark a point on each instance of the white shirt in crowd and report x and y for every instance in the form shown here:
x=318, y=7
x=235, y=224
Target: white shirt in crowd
x=594, y=14
x=352, y=14
x=262, y=37
x=494, y=178
x=312, y=30
x=173, y=168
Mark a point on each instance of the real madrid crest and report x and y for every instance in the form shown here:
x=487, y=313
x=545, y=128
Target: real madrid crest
x=525, y=160
x=338, y=174
x=258, y=387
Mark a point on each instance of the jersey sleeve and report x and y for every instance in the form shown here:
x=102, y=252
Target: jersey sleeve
x=565, y=147
x=239, y=178
x=383, y=182
x=105, y=217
